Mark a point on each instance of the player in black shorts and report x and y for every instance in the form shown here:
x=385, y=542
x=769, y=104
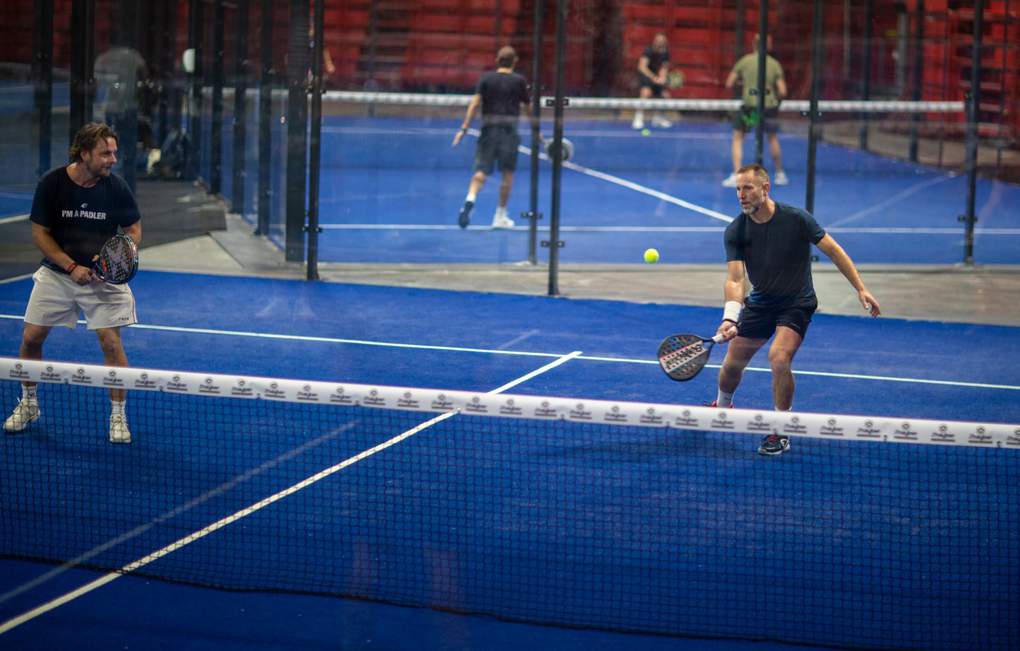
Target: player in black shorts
x=500, y=95
x=653, y=71
x=771, y=243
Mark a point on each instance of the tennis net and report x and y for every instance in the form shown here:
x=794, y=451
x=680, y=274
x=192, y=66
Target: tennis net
x=386, y=130
x=870, y=532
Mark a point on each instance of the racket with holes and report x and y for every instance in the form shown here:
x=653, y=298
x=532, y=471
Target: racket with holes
x=683, y=356
x=117, y=261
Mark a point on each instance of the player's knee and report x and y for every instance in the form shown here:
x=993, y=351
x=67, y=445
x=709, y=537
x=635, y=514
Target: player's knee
x=780, y=359
x=109, y=342
x=33, y=338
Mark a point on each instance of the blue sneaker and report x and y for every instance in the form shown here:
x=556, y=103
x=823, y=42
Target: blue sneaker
x=774, y=445
x=464, y=218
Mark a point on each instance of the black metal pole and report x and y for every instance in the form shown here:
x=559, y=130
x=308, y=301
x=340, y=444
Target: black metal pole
x=83, y=54
x=265, y=120
x=918, y=76
x=763, y=49
x=973, y=104
x=239, y=173
x=816, y=64
x=312, y=271
x=169, y=118
x=43, y=77
x=536, y=131
x=554, y=242
x=738, y=30
x=195, y=105
x=869, y=7
x=216, y=126
x=297, y=132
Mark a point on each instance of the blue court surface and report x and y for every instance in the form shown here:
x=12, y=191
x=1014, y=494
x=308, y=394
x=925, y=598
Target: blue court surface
x=392, y=188
x=719, y=541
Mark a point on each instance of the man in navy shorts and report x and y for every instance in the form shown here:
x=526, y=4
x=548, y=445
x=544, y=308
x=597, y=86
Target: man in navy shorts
x=77, y=208
x=500, y=95
x=769, y=243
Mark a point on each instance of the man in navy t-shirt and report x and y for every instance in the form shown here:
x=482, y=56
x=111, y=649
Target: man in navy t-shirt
x=500, y=95
x=769, y=243
x=77, y=208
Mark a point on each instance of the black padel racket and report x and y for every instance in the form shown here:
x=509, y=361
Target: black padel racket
x=117, y=261
x=683, y=356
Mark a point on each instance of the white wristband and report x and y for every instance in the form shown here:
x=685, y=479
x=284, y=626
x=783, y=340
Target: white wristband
x=731, y=311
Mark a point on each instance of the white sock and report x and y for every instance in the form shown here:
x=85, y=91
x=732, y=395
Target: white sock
x=790, y=409
x=28, y=393
x=639, y=116
x=471, y=196
x=724, y=399
x=117, y=407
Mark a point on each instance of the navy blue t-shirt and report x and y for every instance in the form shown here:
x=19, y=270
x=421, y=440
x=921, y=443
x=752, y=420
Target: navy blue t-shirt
x=777, y=254
x=502, y=95
x=82, y=219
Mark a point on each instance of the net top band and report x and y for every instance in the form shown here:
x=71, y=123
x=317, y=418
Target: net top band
x=577, y=410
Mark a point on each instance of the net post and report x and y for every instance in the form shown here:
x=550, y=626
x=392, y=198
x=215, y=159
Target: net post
x=816, y=63
x=536, y=129
x=557, y=161
x=763, y=50
x=42, y=76
x=973, y=102
x=918, y=76
x=83, y=54
x=312, y=270
x=195, y=22
x=869, y=7
x=240, y=108
x=297, y=131
x=216, y=126
x=265, y=191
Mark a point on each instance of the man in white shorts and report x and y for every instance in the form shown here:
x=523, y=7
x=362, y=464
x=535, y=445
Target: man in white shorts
x=77, y=208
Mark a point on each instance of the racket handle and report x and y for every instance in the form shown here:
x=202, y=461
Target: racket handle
x=718, y=339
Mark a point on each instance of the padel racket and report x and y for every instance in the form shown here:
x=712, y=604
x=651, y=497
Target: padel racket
x=551, y=149
x=675, y=79
x=683, y=356
x=117, y=261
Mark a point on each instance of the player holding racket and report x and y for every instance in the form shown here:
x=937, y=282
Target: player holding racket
x=76, y=208
x=771, y=243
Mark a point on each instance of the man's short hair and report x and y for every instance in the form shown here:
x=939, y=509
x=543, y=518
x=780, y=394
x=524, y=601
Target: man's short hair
x=88, y=137
x=760, y=173
x=506, y=57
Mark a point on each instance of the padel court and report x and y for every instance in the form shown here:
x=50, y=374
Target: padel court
x=842, y=543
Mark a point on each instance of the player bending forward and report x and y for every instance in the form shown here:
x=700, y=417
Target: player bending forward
x=771, y=242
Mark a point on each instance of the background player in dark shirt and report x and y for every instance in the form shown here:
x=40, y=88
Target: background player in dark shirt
x=770, y=244
x=75, y=210
x=653, y=72
x=500, y=95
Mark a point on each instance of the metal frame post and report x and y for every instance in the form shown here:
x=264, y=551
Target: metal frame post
x=316, y=89
x=816, y=64
x=297, y=131
x=239, y=172
x=216, y=123
x=763, y=52
x=265, y=196
x=559, y=102
x=973, y=104
x=536, y=131
x=83, y=55
x=42, y=74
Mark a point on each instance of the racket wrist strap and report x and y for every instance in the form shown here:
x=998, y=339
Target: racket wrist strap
x=731, y=311
x=71, y=267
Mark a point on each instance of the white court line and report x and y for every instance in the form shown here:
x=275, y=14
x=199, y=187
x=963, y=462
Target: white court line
x=15, y=218
x=257, y=506
x=14, y=279
x=522, y=353
x=899, y=196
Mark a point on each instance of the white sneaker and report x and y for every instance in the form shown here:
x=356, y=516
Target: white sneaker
x=639, y=123
x=730, y=181
x=500, y=220
x=661, y=122
x=119, y=432
x=26, y=412
x=781, y=179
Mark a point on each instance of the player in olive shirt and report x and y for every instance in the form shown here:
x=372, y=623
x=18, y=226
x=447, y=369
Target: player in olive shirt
x=769, y=243
x=745, y=74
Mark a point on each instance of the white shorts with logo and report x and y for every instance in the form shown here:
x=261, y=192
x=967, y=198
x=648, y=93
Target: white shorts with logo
x=58, y=301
